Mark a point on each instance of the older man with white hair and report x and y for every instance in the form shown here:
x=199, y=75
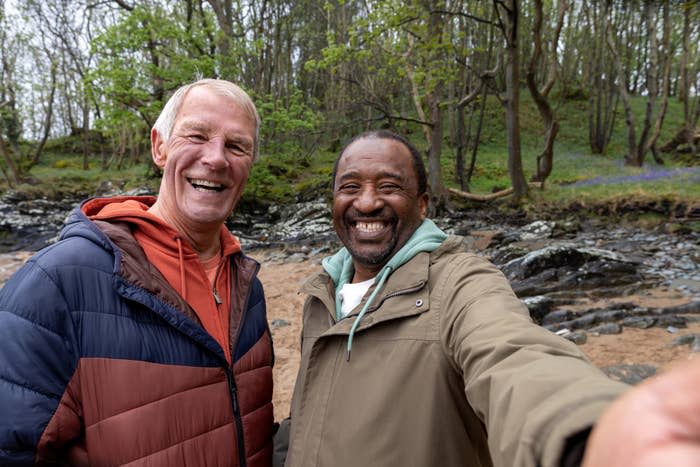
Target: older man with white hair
x=141, y=337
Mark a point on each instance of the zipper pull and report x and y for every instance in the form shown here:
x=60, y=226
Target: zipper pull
x=217, y=299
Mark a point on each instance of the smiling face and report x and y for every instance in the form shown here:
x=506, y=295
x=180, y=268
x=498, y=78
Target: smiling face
x=205, y=162
x=376, y=205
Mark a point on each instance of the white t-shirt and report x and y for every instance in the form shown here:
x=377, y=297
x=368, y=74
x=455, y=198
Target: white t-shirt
x=351, y=295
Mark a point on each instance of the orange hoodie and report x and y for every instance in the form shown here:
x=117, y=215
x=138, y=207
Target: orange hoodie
x=205, y=286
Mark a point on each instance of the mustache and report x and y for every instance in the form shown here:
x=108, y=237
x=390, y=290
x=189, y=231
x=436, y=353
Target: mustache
x=380, y=215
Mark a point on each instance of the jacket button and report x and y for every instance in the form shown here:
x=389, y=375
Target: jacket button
x=419, y=302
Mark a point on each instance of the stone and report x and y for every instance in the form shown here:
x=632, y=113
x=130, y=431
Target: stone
x=279, y=323
x=671, y=321
x=558, y=316
x=607, y=328
x=537, y=230
x=630, y=374
x=683, y=339
x=639, y=322
x=577, y=337
x=695, y=345
x=538, y=306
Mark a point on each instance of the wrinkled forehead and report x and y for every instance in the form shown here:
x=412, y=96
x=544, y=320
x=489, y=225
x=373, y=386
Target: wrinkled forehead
x=376, y=155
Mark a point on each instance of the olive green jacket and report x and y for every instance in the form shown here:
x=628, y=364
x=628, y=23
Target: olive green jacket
x=447, y=369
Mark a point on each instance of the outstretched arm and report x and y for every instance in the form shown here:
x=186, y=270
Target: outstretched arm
x=656, y=423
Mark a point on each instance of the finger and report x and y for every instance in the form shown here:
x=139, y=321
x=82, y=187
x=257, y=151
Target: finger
x=678, y=393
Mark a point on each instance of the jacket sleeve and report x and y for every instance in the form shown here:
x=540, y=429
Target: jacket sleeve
x=532, y=389
x=38, y=361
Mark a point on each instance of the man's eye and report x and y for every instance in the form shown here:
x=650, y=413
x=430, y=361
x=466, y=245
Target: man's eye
x=236, y=148
x=196, y=137
x=239, y=149
x=349, y=187
x=388, y=187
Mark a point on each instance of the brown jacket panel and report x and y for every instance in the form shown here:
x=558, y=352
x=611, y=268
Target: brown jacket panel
x=446, y=369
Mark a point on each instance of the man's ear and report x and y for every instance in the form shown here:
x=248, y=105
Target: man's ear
x=423, y=204
x=158, y=150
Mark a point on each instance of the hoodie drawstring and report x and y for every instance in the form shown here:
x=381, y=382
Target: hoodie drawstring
x=382, y=278
x=426, y=238
x=181, y=259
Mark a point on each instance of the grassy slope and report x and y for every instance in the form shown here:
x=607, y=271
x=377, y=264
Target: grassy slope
x=284, y=178
x=573, y=160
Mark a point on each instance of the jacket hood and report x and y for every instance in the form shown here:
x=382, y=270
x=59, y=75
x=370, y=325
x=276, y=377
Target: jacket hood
x=339, y=267
x=78, y=221
x=166, y=246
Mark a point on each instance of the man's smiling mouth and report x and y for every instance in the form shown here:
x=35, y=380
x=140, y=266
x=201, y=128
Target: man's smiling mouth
x=369, y=227
x=205, y=185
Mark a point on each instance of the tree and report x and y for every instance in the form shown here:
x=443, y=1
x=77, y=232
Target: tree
x=10, y=126
x=394, y=40
x=602, y=99
x=509, y=15
x=477, y=87
x=539, y=95
x=687, y=133
x=230, y=32
x=146, y=54
x=637, y=149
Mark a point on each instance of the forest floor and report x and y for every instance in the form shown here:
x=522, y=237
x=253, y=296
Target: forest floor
x=284, y=307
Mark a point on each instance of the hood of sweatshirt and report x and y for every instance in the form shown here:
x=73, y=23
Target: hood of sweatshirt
x=174, y=257
x=339, y=267
x=169, y=244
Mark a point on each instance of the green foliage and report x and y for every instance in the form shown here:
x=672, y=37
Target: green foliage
x=149, y=52
x=292, y=168
x=281, y=178
x=286, y=124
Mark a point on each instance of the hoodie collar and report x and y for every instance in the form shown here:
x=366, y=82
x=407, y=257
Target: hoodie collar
x=339, y=267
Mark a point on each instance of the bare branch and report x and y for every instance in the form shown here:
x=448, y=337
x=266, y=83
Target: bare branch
x=464, y=15
x=482, y=198
x=469, y=98
x=490, y=196
x=124, y=5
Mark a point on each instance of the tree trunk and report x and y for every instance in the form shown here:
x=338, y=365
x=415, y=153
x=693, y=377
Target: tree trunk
x=509, y=19
x=460, y=146
x=433, y=98
x=48, y=118
x=632, y=157
x=667, y=59
x=652, y=82
x=689, y=7
x=545, y=160
x=13, y=175
x=223, y=10
x=415, y=95
x=595, y=87
x=477, y=136
x=86, y=135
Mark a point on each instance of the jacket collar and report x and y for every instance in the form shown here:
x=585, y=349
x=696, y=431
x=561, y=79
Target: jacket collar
x=409, y=278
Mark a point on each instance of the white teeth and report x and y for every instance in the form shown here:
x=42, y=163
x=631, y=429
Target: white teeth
x=205, y=184
x=369, y=226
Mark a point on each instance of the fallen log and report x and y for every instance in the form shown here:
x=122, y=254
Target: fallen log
x=491, y=196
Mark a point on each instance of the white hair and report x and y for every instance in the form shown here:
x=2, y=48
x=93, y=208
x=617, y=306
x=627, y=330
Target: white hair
x=166, y=120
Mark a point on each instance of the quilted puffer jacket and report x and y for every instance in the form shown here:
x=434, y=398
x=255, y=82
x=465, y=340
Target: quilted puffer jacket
x=103, y=363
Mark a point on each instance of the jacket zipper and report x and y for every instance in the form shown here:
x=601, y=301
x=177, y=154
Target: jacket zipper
x=233, y=391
